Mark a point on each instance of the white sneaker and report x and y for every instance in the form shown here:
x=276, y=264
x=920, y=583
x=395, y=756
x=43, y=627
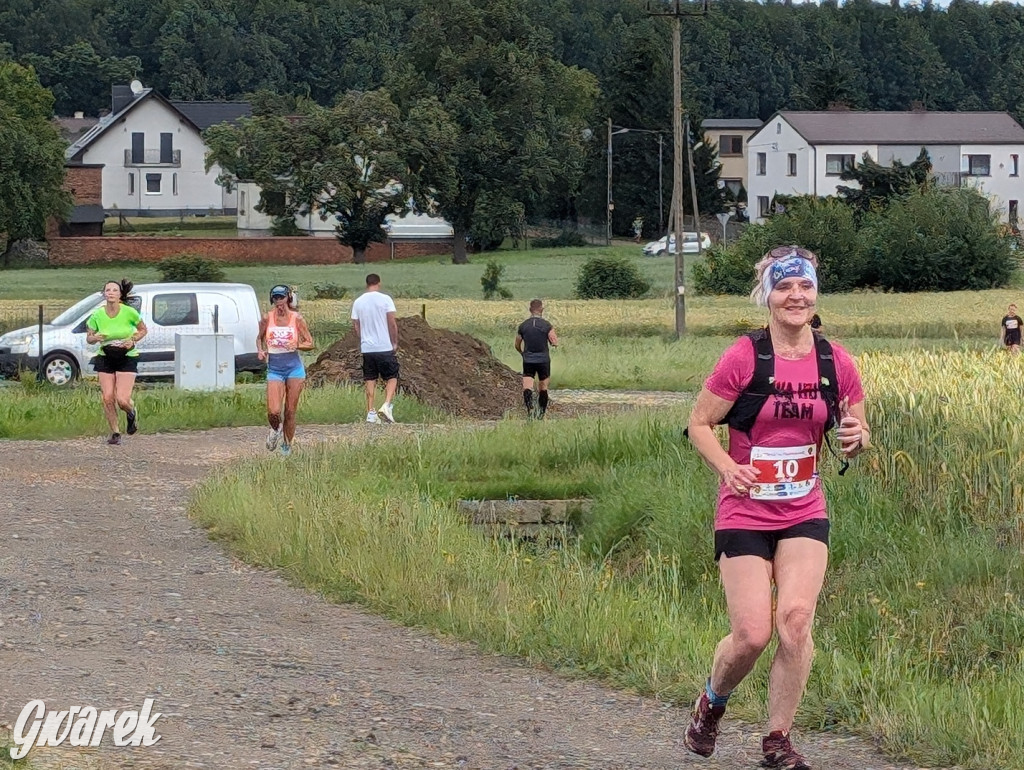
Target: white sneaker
x=272, y=439
x=387, y=413
x=372, y=417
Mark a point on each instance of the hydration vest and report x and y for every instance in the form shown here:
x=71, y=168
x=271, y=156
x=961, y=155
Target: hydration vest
x=747, y=407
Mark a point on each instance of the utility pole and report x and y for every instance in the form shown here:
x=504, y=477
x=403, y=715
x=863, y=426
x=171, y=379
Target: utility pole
x=610, y=205
x=677, y=11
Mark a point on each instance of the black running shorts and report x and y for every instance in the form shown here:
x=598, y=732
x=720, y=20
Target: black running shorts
x=755, y=542
x=380, y=366
x=541, y=371
x=113, y=362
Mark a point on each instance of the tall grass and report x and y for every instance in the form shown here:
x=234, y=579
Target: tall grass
x=34, y=411
x=920, y=625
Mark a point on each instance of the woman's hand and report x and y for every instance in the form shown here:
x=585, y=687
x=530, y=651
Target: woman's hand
x=739, y=479
x=850, y=431
x=261, y=355
x=94, y=337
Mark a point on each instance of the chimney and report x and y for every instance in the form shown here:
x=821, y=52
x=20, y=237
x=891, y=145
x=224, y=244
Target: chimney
x=79, y=115
x=120, y=97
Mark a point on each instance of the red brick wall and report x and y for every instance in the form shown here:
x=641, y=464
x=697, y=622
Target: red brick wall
x=85, y=183
x=279, y=251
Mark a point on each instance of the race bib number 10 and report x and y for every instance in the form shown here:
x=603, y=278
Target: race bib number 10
x=786, y=472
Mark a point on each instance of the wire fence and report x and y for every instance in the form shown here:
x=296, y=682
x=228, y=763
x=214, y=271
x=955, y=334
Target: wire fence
x=15, y=314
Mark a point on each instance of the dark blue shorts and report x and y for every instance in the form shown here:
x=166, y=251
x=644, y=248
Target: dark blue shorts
x=380, y=366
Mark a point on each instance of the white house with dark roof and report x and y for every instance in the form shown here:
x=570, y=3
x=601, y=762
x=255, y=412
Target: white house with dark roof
x=731, y=136
x=803, y=153
x=153, y=154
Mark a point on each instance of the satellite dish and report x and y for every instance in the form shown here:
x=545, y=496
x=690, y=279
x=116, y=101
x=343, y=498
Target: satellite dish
x=136, y=86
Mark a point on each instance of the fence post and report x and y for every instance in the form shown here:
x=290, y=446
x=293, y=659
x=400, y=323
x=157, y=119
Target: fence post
x=39, y=360
x=423, y=312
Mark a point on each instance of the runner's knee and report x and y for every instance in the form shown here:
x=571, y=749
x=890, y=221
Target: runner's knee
x=751, y=636
x=794, y=624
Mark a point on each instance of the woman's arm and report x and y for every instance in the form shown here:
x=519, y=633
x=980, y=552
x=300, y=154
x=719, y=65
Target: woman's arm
x=305, y=338
x=261, y=352
x=853, y=432
x=140, y=331
x=708, y=412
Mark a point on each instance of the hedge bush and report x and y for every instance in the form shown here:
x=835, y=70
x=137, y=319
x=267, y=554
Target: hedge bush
x=189, y=268
x=610, y=278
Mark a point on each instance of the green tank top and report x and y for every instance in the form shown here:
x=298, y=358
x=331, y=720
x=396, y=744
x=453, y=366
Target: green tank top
x=120, y=327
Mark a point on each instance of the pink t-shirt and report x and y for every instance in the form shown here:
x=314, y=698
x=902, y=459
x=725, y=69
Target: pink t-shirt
x=795, y=423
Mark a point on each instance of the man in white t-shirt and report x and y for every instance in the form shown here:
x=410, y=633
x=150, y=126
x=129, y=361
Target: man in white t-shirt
x=373, y=317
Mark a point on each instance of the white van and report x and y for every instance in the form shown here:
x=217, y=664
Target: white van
x=167, y=309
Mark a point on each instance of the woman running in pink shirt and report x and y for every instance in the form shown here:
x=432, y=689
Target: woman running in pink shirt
x=771, y=523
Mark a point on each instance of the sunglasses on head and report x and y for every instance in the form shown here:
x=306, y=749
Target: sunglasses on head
x=784, y=252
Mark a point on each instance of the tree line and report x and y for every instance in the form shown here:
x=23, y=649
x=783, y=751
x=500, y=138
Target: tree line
x=523, y=76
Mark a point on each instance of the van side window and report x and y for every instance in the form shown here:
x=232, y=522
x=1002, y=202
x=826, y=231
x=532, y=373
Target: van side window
x=175, y=309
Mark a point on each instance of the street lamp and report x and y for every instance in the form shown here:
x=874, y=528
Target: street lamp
x=613, y=131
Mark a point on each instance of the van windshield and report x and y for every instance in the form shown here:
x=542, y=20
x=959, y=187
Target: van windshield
x=79, y=309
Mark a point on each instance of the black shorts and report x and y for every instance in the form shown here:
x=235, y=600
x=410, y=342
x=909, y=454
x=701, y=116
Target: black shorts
x=112, y=364
x=541, y=371
x=1010, y=341
x=756, y=542
x=380, y=366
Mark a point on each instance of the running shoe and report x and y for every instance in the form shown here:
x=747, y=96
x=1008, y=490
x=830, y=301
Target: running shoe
x=703, y=730
x=372, y=417
x=115, y=438
x=779, y=753
x=286, y=449
x=387, y=413
x=133, y=422
x=272, y=439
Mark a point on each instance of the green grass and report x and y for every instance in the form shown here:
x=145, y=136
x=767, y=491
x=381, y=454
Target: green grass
x=548, y=273
x=40, y=412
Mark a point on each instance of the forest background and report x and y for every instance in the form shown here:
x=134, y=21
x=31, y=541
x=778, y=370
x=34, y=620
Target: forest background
x=743, y=60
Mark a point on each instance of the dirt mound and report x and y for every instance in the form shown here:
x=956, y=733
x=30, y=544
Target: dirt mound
x=444, y=369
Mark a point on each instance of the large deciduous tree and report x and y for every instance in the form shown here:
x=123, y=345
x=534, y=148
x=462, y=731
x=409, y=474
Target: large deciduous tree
x=511, y=103
x=31, y=157
x=345, y=162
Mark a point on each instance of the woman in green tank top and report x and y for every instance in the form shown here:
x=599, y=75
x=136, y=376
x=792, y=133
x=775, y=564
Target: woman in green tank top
x=117, y=326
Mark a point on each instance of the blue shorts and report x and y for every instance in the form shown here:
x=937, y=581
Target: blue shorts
x=285, y=366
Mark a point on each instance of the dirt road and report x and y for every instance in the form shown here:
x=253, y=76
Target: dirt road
x=109, y=595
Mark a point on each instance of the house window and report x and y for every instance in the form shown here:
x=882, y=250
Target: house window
x=979, y=165
x=175, y=309
x=778, y=127
x=762, y=163
x=241, y=201
x=1013, y=212
x=131, y=184
x=138, y=148
x=731, y=146
x=762, y=205
x=174, y=184
x=837, y=164
x=153, y=184
x=1014, y=165
x=792, y=164
x=733, y=186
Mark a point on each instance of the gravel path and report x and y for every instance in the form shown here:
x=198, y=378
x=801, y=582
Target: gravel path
x=110, y=595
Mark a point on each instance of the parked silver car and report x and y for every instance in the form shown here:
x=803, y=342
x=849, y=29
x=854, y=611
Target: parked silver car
x=667, y=245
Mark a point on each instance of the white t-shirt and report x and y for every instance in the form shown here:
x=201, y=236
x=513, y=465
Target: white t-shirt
x=371, y=310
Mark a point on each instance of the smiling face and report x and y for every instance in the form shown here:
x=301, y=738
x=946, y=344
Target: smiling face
x=792, y=301
x=112, y=292
x=1013, y=309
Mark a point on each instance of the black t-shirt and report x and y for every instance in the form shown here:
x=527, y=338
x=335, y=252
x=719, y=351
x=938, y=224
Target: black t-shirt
x=534, y=331
x=1012, y=324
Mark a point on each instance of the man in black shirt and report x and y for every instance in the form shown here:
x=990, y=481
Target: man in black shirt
x=1011, y=324
x=532, y=340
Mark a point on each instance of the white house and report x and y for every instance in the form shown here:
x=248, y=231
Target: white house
x=153, y=154
x=410, y=226
x=803, y=153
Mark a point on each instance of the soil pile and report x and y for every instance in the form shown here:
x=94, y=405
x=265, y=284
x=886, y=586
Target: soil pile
x=444, y=369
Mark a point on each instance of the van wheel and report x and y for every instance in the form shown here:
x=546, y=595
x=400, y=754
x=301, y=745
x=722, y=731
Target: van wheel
x=60, y=369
